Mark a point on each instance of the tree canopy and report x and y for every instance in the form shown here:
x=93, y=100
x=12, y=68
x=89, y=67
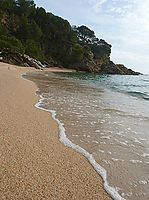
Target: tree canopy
x=31, y=30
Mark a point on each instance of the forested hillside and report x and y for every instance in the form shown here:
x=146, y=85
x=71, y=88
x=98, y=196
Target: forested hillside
x=27, y=29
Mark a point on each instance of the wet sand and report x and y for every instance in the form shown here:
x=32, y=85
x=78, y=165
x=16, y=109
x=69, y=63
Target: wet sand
x=33, y=163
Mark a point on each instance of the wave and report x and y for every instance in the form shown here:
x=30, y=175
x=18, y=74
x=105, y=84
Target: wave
x=138, y=94
x=131, y=85
x=63, y=139
x=145, y=80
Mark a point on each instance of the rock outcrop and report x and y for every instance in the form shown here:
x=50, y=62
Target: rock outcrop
x=21, y=60
x=112, y=68
x=101, y=64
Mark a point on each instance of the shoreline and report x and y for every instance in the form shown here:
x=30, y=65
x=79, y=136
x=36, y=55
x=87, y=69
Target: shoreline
x=68, y=143
x=35, y=165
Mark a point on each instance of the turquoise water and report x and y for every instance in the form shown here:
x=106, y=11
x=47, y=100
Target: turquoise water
x=108, y=116
x=137, y=86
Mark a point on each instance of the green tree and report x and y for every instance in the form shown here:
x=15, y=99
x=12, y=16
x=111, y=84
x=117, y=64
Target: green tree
x=7, y=6
x=85, y=35
x=25, y=7
x=28, y=30
x=3, y=29
x=76, y=54
x=34, y=32
x=23, y=29
x=101, y=48
x=32, y=49
x=11, y=44
x=45, y=35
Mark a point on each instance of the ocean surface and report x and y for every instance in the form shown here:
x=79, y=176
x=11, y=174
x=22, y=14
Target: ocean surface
x=108, y=117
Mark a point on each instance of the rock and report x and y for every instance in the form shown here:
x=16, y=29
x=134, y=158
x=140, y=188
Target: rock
x=125, y=70
x=21, y=60
x=103, y=65
x=26, y=65
x=90, y=63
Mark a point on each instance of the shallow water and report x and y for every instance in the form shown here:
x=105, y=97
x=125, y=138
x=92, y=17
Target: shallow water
x=109, y=117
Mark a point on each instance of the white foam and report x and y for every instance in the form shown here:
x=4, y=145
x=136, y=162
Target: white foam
x=144, y=182
x=120, y=134
x=128, y=194
x=102, y=133
x=136, y=161
x=146, y=162
x=137, y=141
x=117, y=159
x=134, y=132
x=107, y=162
x=145, y=155
x=102, y=142
x=96, y=142
x=101, y=151
x=142, y=139
x=124, y=143
x=63, y=138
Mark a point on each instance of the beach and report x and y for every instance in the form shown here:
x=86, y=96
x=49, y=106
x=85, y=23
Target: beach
x=97, y=118
x=34, y=164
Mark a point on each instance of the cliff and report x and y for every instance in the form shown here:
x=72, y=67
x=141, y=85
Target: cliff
x=101, y=65
x=30, y=36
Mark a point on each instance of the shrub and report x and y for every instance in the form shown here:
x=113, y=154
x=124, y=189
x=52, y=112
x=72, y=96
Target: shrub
x=11, y=44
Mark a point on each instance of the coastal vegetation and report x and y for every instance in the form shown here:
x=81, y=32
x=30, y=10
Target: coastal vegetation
x=26, y=29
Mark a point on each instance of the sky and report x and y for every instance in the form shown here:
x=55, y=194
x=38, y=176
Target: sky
x=122, y=23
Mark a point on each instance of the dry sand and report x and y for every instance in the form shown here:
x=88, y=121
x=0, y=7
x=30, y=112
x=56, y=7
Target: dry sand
x=33, y=163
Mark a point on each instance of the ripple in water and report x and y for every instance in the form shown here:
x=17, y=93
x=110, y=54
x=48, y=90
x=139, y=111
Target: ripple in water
x=101, y=115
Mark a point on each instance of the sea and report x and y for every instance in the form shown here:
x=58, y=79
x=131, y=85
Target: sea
x=105, y=118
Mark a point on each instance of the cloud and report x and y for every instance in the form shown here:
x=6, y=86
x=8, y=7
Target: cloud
x=125, y=24
x=134, y=37
x=98, y=5
x=94, y=5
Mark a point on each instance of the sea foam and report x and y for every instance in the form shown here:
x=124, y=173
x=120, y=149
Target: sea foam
x=113, y=192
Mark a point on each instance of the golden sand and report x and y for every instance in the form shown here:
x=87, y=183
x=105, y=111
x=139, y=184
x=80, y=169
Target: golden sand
x=33, y=163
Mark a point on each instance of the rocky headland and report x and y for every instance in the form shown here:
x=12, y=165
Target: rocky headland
x=102, y=65
x=32, y=37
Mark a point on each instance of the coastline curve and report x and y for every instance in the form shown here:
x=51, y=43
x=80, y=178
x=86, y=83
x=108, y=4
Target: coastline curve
x=113, y=192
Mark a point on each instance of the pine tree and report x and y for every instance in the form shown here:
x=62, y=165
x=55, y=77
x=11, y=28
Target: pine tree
x=25, y=7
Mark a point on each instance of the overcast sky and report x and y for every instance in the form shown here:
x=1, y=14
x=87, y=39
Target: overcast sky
x=122, y=23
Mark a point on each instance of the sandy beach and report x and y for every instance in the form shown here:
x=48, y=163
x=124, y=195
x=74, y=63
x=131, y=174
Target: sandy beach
x=34, y=164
